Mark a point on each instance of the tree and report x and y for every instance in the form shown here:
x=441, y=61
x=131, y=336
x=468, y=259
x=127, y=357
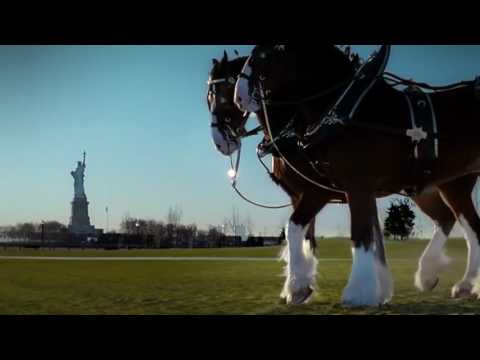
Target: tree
x=174, y=215
x=24, y=230
x=237, y=226
x=128, y=225
x=249, y=225
x=233, y=223
x=215, y=237
x=54, y=227
x=400, y=219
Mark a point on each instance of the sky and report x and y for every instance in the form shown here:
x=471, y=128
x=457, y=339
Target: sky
x=140, y=114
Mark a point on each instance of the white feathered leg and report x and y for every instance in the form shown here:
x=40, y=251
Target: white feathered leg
x=370, y=282
x=301, y=266
x=469, y=284
x=432, y=262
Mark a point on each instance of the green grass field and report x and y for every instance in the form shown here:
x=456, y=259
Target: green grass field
x=210, y=287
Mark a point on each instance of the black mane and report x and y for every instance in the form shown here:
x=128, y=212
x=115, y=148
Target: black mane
x=230, y=67
x=320, y=67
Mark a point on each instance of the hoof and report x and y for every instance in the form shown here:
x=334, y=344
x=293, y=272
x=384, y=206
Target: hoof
x=461, y=294
x=476, y=291
x=361, y=298
x=431, y=285
x=426, y=284
x=300, y=297
x=435, y=284
x=463, y=290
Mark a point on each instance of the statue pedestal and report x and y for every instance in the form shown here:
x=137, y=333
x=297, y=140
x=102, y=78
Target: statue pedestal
x=80, y=221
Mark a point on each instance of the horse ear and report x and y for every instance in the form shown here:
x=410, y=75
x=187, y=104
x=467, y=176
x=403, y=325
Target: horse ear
x=236, y=52
x=225, y=56
x=214, y=61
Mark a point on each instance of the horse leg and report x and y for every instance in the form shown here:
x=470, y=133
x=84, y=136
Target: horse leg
x=370, y=282
x=310, y=237
x=462, y=203
x=301, y=264
x=433, y=259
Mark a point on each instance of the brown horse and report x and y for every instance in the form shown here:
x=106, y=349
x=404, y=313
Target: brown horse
x=366, y=163
x=228, y=125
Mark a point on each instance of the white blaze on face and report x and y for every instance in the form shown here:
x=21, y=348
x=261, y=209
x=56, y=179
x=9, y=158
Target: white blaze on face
x=241, y=96
x=225, y=146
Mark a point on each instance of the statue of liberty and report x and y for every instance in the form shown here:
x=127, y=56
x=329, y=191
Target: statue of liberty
x=78, y=177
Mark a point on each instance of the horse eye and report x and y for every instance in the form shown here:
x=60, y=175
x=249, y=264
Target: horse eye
x=223, y=100
x=228, y=120
x=262, y=78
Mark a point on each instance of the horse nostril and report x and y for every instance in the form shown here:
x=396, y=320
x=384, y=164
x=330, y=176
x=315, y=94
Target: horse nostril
x=239, y=98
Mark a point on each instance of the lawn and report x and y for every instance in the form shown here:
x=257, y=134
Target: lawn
x=209, y=287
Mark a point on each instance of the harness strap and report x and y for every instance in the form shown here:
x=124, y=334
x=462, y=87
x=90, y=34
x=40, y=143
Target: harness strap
x=402, y=81
x=242, y=75
x=216, y=81
x=267, y=121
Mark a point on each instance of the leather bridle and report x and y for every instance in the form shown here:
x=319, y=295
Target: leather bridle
x=224, y=126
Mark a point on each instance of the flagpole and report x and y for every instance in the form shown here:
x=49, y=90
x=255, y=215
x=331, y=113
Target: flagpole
x=106, y=213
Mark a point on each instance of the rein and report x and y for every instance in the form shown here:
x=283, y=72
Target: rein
x=234, y=171
x=272, y=139
x=309, y=98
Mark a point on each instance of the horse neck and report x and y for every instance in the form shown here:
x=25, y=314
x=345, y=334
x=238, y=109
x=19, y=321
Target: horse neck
x=322, y=71
x=334, y=64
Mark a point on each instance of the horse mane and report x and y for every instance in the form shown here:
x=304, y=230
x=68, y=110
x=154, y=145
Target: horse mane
x=320, y=66
x=324, y=56
x=233, y=67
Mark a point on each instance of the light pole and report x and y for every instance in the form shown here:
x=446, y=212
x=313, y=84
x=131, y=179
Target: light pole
x=137, y=226
x=42, y=236
x=106, y=214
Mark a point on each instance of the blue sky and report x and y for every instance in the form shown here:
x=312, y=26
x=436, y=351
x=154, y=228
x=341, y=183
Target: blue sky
x=140, y=114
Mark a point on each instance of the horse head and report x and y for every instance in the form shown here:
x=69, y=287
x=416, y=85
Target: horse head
x=228, y=122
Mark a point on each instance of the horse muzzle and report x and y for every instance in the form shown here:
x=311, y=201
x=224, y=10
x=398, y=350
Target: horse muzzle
x=223, y=143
